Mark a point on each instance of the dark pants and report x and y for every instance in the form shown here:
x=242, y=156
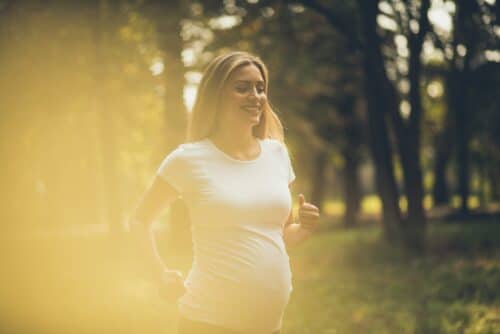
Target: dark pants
x=186, y=326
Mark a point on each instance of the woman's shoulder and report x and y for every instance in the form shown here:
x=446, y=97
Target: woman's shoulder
x=273, y=144
x=194, y=146
x=190, y=150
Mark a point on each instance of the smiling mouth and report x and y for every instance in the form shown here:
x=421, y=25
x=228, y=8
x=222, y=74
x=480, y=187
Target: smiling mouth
x=252, y=109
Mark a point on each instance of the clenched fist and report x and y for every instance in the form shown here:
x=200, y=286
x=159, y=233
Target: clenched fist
x=308, y=214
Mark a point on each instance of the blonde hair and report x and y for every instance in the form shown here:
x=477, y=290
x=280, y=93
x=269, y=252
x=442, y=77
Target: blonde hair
x=204, y=114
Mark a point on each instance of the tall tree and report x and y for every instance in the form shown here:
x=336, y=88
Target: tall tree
x=472, y=33
x=361, y=38
x=464, y=37
x=383, y=103
x=413, y=23
x=380, y=101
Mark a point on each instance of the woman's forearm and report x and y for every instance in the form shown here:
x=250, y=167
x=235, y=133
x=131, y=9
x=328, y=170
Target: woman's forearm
x=294, y=234
x=146, y=242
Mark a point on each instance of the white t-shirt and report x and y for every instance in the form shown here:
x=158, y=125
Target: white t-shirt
x=240, y=276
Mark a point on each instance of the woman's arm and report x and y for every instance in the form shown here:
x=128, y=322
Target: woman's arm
x=155, y=199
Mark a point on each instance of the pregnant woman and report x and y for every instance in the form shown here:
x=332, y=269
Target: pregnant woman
x=234, y=173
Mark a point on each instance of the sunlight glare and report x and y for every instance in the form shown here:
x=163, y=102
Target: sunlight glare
x=190, y=91
x=404, y=86
x=440, y=18
x=402, y=66
x=296, y=8
x=267, y=12
x=430, y=53
x=435, y=89
x=193, y=77
x=400, y=41
x=401, y=45
x=405, y=109
x=492, y=55
x=386, y=22
x=448, y=51
x=224, y=22
x=188, y=57
x=450, y=7
x=461, y=50
x=385, y=8
x=414, y=26
x=157, y=67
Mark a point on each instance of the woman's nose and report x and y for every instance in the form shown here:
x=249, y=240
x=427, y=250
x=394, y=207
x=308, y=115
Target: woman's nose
x=253, y=93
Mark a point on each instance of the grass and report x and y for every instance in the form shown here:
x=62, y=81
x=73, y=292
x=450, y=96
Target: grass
x=345, y=282
x=350, y=282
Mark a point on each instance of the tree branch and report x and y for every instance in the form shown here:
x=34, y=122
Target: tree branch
x=335, y=20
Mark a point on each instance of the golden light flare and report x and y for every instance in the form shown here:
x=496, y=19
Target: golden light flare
x=435, y=89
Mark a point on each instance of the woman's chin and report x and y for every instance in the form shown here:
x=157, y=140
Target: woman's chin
x=251, y=121
x=255, y=120
x=254, y=124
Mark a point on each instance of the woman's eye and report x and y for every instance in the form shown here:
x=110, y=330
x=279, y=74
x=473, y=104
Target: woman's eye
x=241, y=89
x=246, y=89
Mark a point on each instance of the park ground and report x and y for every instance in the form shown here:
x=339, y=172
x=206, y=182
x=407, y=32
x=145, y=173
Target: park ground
x=345, y=282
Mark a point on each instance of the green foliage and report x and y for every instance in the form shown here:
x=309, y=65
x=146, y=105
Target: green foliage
x=350, y=282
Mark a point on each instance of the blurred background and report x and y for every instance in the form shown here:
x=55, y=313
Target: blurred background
x=391, y=117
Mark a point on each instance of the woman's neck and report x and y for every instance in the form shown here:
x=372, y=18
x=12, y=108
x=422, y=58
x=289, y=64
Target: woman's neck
x=236, y=144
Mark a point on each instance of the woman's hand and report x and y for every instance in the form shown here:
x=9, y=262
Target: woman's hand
x=171, y=285
x=308, y=215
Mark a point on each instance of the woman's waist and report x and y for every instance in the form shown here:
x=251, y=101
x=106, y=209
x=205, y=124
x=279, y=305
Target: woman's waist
x=241, y=279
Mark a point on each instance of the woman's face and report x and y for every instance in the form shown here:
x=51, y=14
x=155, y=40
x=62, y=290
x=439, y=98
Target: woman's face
x=243, y=98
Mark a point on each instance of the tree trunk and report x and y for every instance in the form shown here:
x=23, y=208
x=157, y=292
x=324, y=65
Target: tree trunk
x=463, y=33
x=377, y=105
x=444, y=148
x=407, y=133
x=482, y=171
x=318, y=177
x=351, y=187
x=494, y=180
x=462, y=139
x=351, y=154
x=409, y=143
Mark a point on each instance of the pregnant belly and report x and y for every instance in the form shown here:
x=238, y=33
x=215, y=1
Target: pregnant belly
x=254, y=275
x=249, y=303
x=244, y=288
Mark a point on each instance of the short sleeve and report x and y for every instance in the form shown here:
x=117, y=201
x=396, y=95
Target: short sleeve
x=288, y=164
x=174, y=169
